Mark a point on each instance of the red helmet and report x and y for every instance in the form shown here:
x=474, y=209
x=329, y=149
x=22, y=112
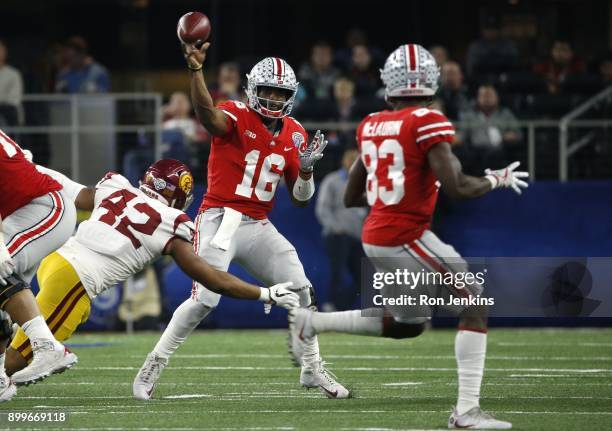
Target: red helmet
x=170, y=182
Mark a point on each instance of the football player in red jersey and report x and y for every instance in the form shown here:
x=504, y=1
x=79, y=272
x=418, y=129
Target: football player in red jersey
x=405, y=157
x=37, y=215
x=253, y=146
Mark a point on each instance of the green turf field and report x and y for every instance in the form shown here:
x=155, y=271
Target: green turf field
x=538, y=379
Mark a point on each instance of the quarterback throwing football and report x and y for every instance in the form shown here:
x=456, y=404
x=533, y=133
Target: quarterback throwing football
x=253, y=146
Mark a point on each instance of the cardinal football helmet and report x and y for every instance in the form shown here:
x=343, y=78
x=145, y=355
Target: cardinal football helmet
x=169, y=181
x=271, y=72
x=410, y=71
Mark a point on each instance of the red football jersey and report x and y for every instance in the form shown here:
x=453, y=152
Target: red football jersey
x=401, y=187
x=246, y=164
x=20, y=182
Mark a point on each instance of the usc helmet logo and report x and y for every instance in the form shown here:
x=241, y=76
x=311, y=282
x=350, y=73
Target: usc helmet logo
x=186, y=182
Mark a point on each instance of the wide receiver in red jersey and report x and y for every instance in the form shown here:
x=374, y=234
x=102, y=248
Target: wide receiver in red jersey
x=405, y=156
x=254, y=145
x=36, y=217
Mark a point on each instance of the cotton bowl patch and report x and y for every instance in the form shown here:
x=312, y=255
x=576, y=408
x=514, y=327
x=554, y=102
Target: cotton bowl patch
x=298, y=139
x=159, y=184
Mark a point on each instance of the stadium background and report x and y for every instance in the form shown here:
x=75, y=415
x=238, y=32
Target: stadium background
x=560, y=215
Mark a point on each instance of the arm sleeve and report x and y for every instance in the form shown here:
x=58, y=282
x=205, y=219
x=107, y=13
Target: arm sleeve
x=432, y=128
x=233, y=110
x=71, y=188
x=184, y=228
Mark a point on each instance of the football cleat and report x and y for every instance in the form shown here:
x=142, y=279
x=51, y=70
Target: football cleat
x=147, y=377
x=300, y=330
x=49, y=357
x=7, y=387
x=476, y=419
x=317, y=376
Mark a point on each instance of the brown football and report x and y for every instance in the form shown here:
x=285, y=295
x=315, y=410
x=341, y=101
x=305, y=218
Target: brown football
x=193, y=28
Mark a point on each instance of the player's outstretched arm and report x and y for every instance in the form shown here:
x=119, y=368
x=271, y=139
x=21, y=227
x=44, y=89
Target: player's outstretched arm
x=226, y=284
x=448, y=170
x=456, y=184
x=213, y=119
x=355, y=193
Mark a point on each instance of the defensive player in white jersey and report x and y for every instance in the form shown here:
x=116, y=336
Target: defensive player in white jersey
x=405, y=157
x=128, y=228
x=253, y=146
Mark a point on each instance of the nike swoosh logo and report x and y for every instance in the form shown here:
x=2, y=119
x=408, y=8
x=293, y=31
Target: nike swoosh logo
x=332, y=394
x=288, y=149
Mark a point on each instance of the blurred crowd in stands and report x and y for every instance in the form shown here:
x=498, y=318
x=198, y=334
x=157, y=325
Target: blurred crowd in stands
x=484, y=93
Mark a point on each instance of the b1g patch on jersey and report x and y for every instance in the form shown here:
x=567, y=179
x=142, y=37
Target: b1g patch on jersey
x=298, y=139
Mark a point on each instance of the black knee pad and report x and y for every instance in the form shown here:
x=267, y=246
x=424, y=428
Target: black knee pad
x=398, y=330
x=6, y=327
x=14, y=284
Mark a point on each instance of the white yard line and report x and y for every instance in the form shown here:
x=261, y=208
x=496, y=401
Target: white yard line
x=217, y=368
x=392, y=357
x=360, y=385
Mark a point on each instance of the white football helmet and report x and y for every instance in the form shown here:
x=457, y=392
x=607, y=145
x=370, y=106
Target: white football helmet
x=410, y=71
x=271, y=72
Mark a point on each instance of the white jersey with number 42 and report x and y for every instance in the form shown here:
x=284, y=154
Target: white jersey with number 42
x=126, y=230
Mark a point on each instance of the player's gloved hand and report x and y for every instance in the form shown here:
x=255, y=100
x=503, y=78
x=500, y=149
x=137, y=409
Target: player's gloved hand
x=508, y=178
x=6, y=262
x=310, y=153
x=195, y=56
x=279, y=295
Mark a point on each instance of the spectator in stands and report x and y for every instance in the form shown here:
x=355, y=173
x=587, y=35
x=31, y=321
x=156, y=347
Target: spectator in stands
x=491, y=54
x=83, y=74
x=440, y=53
x=228, y=83
x=605, y=70
x=318, y=75
x=561, y=64
x=487, y=131
x=344, y=56
x=453, y=92
x=344, y=98
x=363, y=73
x=341, y=235
x=11, y=90
x=345, y=111
x=177, y=115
